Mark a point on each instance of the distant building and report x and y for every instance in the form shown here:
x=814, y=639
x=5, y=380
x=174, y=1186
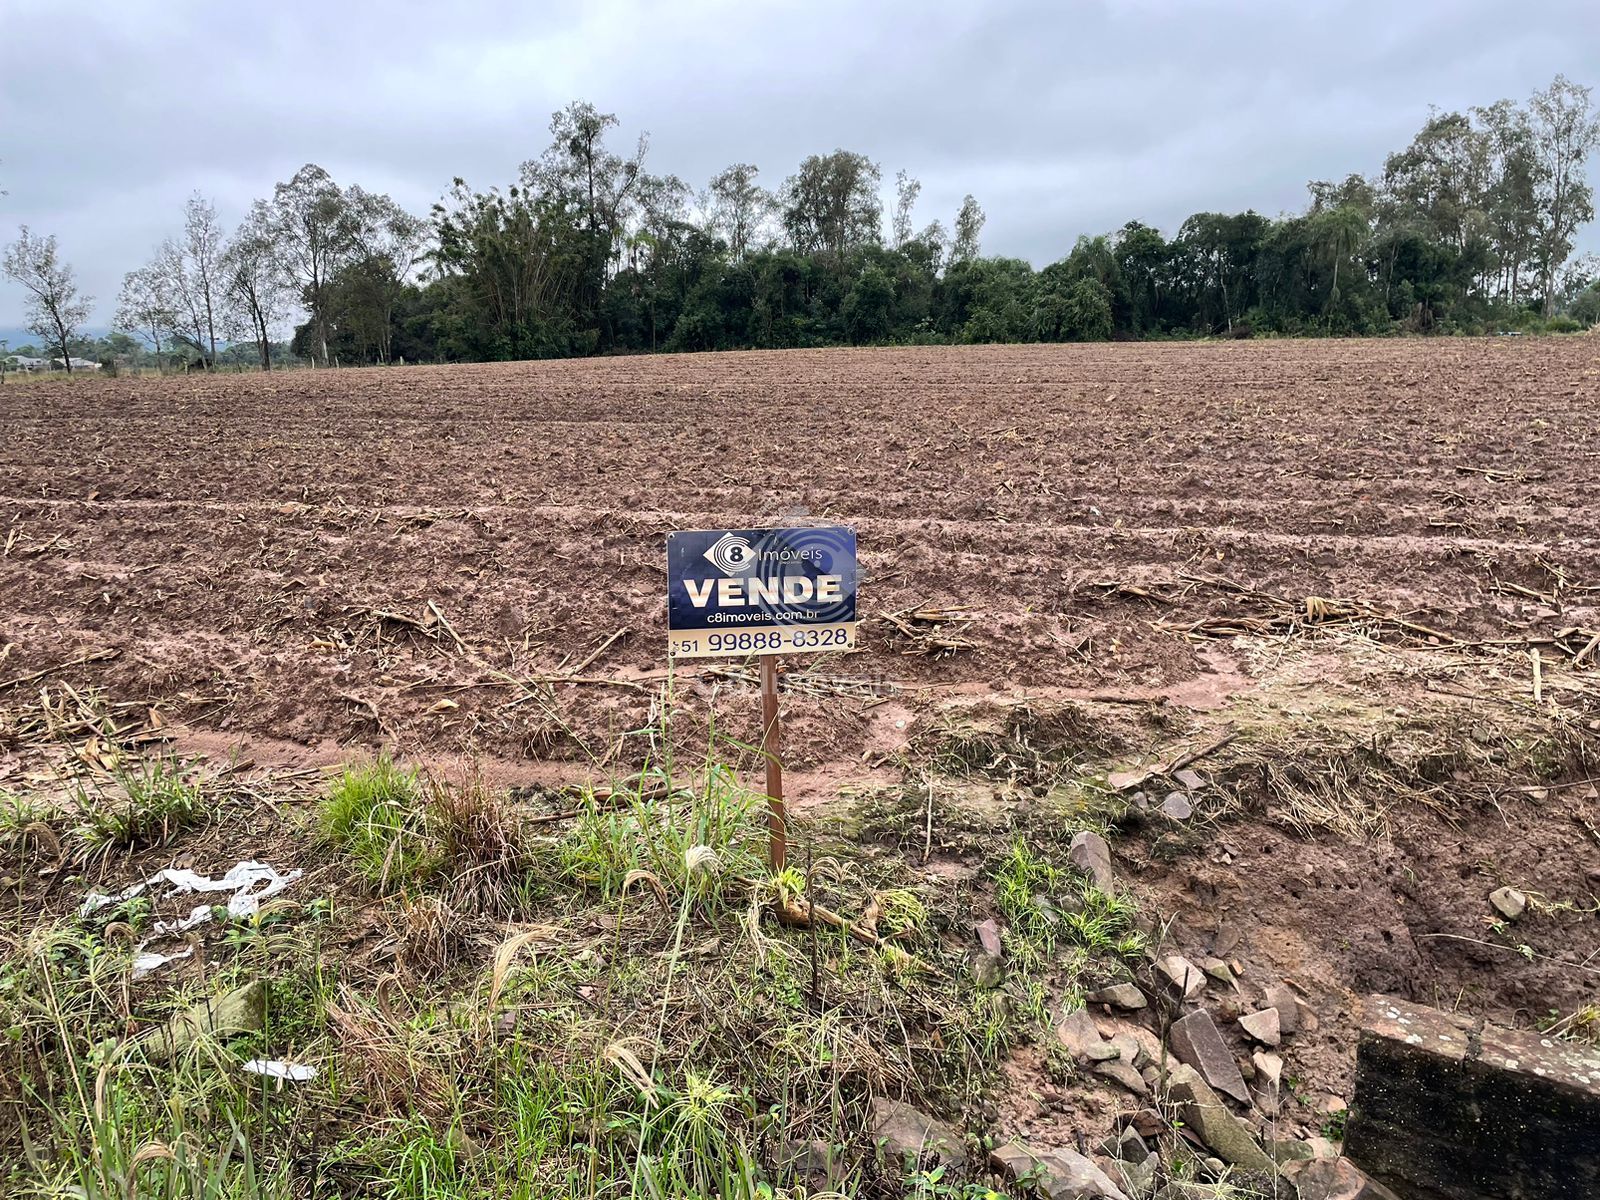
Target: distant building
x=21, y=362
x=78, y=364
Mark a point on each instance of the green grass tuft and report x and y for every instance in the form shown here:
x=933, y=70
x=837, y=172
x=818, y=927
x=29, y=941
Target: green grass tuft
x=375, y=813
x=707, y=841
x=1048, y=908
x=151, y=805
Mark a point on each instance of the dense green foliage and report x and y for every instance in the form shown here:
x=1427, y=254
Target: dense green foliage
x=1469, y=229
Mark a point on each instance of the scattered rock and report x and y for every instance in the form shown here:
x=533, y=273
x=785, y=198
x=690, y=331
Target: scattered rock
x=1119, y=1033
x=1205, y=1113
x=1321, y=1147
x=986, y=969
x=243, y=1010
x=1141, y=801
x=1508, y=902
x=1195, y=1040
x=1282, y=998
x=1270, y=1066
x=1305, y=1017
x=1119, y=995
x=1148, y=1123
x=1330, y=1104
x=1056, y=1174
x=1288, y=1150
x=1176, y=807
x=989, y=937
x=1218, y=970
x=905, y=1135
x=466, y=1147
x=1187, y=978
x=1091, y=854
x=816, y=1163
x=1229, y=935
x=1189, y=779
x=1129, y=1049
x=1077, y=1033
x=1263, y=1026
x=1123, y=1073
x=1128, y=1146
x=1138, y=1179
x=1338, y=1179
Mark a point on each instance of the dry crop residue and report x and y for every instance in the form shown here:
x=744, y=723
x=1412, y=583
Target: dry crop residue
x=1322, y=544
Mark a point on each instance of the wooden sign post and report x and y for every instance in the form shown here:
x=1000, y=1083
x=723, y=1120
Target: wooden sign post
x=732, y=593
x=771, y=748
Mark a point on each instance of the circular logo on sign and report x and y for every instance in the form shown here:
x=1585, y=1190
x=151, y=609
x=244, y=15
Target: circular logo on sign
x=806, y=554
x=731, y=555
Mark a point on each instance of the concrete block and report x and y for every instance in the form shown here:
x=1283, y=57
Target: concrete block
x=1449, y=1108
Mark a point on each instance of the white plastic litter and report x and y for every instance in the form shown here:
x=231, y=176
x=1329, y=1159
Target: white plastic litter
x=95, y=901
x=198, y=915
x=273, y=1069
x=250, y=882
x=147, y=961
x=242, y=880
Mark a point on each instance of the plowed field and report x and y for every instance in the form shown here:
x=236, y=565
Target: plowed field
x=1360, y=579
x=224, y=534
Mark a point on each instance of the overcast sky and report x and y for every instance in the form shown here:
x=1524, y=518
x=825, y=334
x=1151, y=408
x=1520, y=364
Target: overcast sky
x=1062, y=118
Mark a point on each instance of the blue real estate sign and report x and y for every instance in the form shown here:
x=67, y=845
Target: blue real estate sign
x=733, y=592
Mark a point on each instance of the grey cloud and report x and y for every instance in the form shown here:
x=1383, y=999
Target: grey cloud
x=1062, y=118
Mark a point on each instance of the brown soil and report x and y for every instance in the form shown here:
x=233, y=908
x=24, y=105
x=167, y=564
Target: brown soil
x=231, y=539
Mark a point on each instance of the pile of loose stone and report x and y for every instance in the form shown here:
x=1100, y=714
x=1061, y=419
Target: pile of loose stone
x=1191, y=1099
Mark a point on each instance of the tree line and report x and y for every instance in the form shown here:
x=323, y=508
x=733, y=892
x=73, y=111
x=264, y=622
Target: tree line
x=1469, y=228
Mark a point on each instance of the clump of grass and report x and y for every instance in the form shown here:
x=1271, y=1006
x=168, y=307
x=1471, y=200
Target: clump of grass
x=402, y=830
x=1031, y=743
x=1342, y=761
x=1105, y=924
x=85, y=1114
x=393, y=1065
x=482, y=847
x=690, y=1143
x=375, y=813
x=429, y=934
x=900, y=910
x=707, y=840
x=1047, y=906
x=56, y=983
x=1082, y=802
x=148, y=804
x=25, y=822
x=121, y=1159
x=17, y=811
x=1580, y=1025
x=151, y=804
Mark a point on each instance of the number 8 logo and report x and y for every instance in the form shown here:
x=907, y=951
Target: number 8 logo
x=730, y=554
